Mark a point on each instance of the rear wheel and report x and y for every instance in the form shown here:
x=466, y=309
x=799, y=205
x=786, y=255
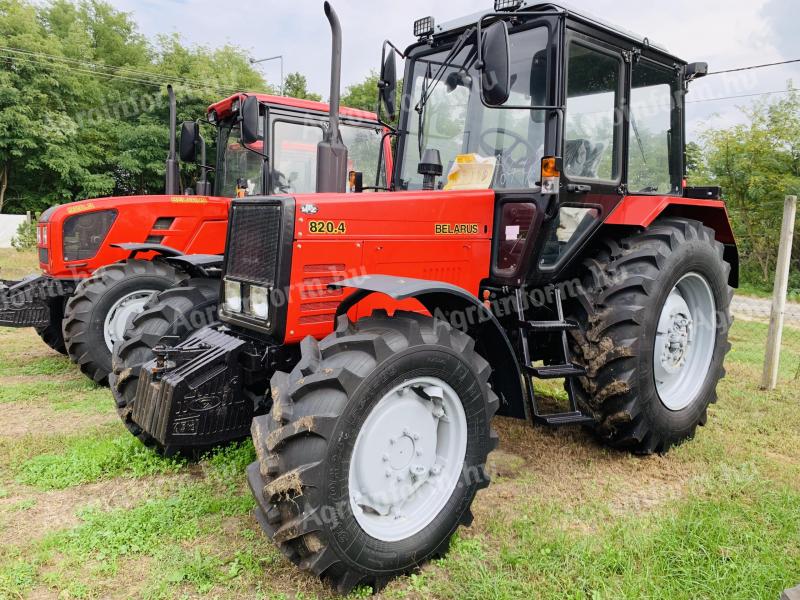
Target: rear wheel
x=168, y=318
x=99, y=312
x=374, y=449
x=656, y=307
x=53, y=333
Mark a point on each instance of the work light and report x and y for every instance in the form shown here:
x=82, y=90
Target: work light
x=259, y=302
x=424, y=27
x=506, y=5
x=233, y=296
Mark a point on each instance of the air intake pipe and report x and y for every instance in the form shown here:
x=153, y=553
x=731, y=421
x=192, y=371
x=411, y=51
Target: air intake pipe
x=172, y=186
x=331, y=151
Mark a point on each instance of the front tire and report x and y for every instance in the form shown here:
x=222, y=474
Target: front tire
x=371, y=384
x=168, y=318
x=656, y=309
x=53, y=333
x=98, y=313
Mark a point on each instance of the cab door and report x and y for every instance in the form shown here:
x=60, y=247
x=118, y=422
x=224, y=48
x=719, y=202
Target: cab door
x=591, y=147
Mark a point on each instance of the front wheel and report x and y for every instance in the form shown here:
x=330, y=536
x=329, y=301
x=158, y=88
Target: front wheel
x=99, y=312
x=656, y=308
x=374, y=449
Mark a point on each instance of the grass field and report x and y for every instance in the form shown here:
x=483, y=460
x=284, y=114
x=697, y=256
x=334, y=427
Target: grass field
x=87, y=512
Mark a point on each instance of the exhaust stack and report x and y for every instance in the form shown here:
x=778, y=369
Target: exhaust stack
x=172, y=186
x=331, y=151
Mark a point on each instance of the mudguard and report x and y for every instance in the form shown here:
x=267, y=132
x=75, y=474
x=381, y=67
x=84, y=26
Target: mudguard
x=463, y=311
x=136, y=249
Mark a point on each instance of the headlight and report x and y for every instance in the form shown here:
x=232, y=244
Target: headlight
x=259, y=302
x=44, y=235
x=233, y=296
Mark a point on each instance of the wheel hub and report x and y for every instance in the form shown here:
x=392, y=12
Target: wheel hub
x=685, y=341
x=117, y=319
x=407, y=459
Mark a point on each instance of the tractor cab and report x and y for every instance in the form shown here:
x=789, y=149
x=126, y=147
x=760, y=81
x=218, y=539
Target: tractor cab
x=286, y=162
x=501, y=94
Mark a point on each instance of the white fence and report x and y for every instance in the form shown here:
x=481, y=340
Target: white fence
x=8, y=228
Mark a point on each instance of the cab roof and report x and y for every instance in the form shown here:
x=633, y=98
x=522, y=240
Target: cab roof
x=223, y=107
x=561, y=7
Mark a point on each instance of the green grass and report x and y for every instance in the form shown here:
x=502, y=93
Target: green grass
x=91, y=458
x=716, y=518
x=16, y=265
x=735, y=537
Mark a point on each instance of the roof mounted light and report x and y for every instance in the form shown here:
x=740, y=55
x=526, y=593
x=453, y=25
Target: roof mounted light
x=424, y=27
x=507, y=5
x=212, y=117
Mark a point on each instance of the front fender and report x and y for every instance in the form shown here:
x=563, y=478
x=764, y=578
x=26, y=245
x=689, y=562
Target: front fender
x=463, y=311
x=136, y=249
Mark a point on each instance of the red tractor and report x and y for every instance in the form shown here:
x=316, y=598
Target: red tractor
x=102, y=259
x=538, y=227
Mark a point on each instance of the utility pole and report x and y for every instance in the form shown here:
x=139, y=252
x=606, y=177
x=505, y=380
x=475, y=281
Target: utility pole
x=263, y=60
x=773, y=358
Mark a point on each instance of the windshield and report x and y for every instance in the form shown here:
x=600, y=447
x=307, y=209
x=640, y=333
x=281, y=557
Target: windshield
x=294, y=157
x=456, y=122
x=238, y=163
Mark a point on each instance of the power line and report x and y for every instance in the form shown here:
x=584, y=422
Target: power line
x=764, y=66
x=739, y=96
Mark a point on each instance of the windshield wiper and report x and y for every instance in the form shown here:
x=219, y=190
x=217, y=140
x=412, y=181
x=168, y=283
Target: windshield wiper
x=431, y=81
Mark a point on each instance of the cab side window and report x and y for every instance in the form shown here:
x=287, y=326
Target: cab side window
x=592, y=138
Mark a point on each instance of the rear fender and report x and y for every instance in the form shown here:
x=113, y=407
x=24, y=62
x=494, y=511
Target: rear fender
x=642, y=211
x=463, y=311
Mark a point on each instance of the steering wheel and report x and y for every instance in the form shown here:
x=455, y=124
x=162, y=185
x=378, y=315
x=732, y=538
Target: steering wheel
x=491, y=150
x=510, y=169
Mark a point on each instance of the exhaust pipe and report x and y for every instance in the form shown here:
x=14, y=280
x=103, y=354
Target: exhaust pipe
x=172, y=186
x=331, y=151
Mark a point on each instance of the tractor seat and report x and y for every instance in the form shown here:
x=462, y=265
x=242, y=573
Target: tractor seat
x=582, y=158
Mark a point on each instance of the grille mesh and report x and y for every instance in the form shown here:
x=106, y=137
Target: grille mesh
x=253, y=247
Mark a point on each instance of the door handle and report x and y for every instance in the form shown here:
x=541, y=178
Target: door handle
x=574, y=188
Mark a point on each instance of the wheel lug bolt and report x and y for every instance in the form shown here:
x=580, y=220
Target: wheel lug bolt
x=419, y=452
x=416, y=437
x=385, y=458
x=388, y=474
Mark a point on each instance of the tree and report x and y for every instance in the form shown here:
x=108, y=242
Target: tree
x=756, y=164
x=296, y=86
x=83, y=110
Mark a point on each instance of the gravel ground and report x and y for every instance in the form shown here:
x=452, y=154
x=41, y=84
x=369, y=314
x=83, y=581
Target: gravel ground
x=760, y=308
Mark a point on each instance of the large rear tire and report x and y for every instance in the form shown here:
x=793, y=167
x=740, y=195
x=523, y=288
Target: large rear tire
x=362, y=417
x=98, y=313
x=168, y=318
x=656, y=310
x=53, y=333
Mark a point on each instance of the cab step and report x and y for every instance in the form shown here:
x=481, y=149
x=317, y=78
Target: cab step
x=569, y=418
x=549, y=326
x=557, y=371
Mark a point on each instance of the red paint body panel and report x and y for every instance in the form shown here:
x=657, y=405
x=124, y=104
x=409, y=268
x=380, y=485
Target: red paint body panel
x=375, y=241
x=199, y=227
x=641, y=211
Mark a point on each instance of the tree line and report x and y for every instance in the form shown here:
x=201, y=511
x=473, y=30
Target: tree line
x=83, y=114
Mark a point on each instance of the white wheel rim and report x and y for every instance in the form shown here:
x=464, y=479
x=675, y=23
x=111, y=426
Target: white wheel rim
x=121, y=313
x=685, y=342
x=407, y=459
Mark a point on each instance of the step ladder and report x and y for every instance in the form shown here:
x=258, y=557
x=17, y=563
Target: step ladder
x=567, y=371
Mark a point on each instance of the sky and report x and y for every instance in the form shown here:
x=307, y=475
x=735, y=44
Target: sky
x=725, y=33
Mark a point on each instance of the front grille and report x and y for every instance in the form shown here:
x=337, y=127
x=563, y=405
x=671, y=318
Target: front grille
x=254, y=242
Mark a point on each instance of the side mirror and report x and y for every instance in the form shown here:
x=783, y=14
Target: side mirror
x=190, y=135
x=250, y=120
x=388, y=85
x=496, y=68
